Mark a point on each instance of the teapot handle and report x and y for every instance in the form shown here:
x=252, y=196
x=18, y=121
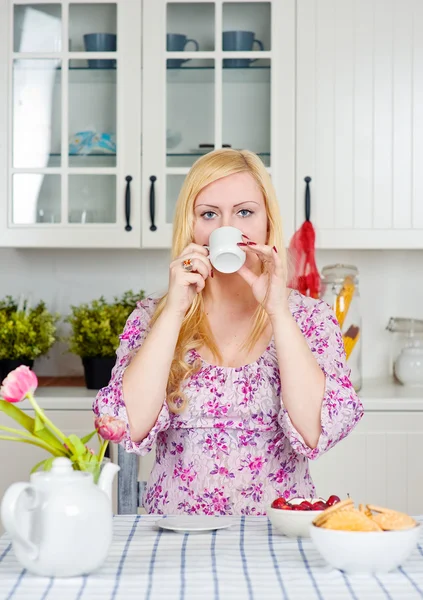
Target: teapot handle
x=10, y=516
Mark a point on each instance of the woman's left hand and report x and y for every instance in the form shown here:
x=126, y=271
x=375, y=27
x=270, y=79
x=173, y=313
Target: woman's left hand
x=269, y=288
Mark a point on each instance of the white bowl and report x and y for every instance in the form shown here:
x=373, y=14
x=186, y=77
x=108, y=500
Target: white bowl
x=293, y=523
x=365, y=551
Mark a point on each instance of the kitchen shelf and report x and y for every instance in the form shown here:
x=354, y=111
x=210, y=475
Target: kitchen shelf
x=259, y=74
x=175, y=159
x=376, y=395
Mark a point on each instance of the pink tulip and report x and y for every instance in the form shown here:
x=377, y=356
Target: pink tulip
x=110, y=428
x=18, y=384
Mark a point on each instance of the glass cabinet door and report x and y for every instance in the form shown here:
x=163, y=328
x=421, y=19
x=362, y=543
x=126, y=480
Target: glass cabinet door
x=76, y=120
x=216, y=60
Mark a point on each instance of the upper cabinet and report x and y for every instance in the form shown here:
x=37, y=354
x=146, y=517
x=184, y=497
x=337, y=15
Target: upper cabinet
x=215, y=74
x=360, y=121
x=71, y=107
x=95, y=145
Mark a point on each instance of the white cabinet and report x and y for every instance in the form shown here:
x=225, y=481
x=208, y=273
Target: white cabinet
x=360, y=121
x=331, y=89
x=379, y=463
x=224, y=88
x=70, y=117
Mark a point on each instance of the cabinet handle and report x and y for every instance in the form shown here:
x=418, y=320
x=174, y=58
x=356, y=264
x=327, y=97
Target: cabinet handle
x=307, y=198
x=128, y=226
x=153, y=227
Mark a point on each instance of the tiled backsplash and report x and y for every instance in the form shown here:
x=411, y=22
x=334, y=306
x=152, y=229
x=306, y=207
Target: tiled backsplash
x=391, y=284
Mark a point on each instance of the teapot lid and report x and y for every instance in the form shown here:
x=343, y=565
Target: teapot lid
x=62, y=471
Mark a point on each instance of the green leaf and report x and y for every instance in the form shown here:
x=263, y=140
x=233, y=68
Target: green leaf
x=17, y=415
x=38, y=465
x=29, y=424
x=49, y=463
x=26, y=333
x=38, y=424
x=96, y=326
x=77, y=446
x=87, y=438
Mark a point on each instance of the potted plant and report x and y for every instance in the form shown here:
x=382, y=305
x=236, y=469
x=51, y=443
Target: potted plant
x=25, y=333
x=96, y=327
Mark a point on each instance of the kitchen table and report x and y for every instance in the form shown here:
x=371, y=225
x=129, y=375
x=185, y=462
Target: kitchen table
x=248, y=561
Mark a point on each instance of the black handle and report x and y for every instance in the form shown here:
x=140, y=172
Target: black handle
x=307, y=198
x=128, y=226
x=153, y=178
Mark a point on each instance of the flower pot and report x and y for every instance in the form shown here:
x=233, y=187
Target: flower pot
x=9, y=364
x=98, y=371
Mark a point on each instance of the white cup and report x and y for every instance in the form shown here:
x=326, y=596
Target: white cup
x=224, y=253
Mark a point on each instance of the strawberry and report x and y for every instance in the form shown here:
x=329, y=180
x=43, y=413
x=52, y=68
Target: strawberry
x=319, y=505
x=332, y=500
x=279, y=503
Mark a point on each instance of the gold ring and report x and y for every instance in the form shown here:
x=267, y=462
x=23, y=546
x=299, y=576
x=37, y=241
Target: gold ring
x=187, y=265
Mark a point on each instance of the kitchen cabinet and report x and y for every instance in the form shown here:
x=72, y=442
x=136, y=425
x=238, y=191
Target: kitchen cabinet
x=332, y=89
x=65, y=188
x=360, y=121
x=211, y=95
x=71, y=124
x=379, y=463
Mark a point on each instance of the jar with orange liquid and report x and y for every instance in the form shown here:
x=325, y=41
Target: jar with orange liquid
x=340, y=290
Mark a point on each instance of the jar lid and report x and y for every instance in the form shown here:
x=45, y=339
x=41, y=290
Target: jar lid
x=338, y=272
x=400, y=325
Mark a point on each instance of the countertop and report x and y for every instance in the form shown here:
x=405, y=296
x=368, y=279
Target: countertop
x=376, y=395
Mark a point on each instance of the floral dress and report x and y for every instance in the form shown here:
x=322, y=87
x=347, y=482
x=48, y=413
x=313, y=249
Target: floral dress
x=234, y=449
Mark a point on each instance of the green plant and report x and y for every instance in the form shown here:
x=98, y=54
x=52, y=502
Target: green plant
x=25, y=332
x=96, y=326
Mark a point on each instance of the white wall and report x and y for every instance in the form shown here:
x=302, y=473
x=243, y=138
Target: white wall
x=391, y=284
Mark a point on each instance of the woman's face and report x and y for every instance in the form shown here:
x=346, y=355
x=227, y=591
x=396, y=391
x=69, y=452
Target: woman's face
x=236, y=201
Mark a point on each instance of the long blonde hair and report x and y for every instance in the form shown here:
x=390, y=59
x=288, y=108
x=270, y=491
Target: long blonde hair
x=195, y=331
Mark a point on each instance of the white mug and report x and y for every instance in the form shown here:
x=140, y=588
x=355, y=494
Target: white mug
x=224, y=253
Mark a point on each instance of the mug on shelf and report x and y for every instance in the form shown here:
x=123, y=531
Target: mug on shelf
x=100, y=42
x=239, y=41
x=176, y=42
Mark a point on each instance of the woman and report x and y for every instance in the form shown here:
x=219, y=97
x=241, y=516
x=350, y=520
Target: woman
x=236, y=379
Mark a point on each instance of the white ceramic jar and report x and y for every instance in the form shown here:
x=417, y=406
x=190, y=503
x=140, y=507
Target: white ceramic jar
x=409, y=366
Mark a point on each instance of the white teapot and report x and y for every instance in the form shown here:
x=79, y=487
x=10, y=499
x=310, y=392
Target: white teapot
x=61, y=522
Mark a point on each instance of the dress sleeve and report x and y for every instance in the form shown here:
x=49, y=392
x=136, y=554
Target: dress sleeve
x=110, y=401
x=341, y=407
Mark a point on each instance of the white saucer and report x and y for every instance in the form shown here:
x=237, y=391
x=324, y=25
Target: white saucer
x=194, y=523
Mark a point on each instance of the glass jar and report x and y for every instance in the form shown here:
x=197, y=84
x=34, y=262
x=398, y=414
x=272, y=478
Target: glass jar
x=340, y=290
x=406, y=356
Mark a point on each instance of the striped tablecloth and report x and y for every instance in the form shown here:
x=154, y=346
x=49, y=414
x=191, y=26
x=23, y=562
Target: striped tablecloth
x=248, y=561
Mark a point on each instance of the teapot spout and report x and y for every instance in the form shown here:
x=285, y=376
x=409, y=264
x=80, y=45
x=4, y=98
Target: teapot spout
x=105, y=480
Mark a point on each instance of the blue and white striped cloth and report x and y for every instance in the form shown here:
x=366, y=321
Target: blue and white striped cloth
x=248, y=561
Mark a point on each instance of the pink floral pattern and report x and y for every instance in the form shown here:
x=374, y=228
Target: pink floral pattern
x=234, y=448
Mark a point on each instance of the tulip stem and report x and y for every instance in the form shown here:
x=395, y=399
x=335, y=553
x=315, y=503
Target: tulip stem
x=40, y=444
x=33, y=438
x=102, y=450
x=45, y=419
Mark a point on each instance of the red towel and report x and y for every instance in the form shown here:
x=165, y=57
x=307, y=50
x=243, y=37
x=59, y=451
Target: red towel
x=305, y=278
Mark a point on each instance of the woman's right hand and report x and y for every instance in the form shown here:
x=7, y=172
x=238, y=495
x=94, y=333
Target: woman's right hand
x=183, y=285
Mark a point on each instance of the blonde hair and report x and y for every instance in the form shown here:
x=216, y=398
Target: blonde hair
x=195, y=331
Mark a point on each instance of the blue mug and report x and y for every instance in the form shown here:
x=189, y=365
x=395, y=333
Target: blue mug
x=100, y=42
x=238, y=41
x=176, y=42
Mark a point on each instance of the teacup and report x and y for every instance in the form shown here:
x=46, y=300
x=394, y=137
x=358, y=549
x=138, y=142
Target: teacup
x=224, y=253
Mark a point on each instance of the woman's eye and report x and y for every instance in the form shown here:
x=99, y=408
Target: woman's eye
x=244, y=212
x=208, y=215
